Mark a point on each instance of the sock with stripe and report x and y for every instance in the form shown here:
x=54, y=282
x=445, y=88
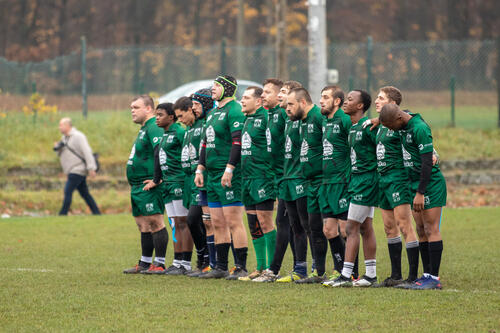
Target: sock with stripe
x=337, y=248
x=395, y=247
x=412, y=253
x=371, y=268
x=347, y=269
x=211, y=251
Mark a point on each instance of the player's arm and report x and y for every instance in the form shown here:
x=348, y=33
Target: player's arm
x=423, y=139
x=198, y=178
x=150, y=183
x=234, y=158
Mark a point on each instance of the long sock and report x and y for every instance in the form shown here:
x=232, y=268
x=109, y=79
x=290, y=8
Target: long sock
x=198, y=233
x=435, y=252
x=347, y=269
x=242, y=254
x=426, y=260
x=395, y=247
x=211, y=251
x=300, y=267
x=186, y=260
x=259, y=244
x=235, y=257
x=178, y=256
x=222, y=253
x=147, y=247
x=338, y=250
x=160, y=241
x=319, y=242
x=371, y=268
x=270, y=239
x=282, y=238
x=412, y=253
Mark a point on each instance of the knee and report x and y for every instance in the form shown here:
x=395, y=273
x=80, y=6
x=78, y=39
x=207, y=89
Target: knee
x=330, y=230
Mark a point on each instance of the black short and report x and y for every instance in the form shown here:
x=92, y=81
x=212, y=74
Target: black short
x=341, y=216
x=264, y=205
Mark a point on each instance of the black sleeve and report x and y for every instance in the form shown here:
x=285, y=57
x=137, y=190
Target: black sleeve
x=425, y=172
x=202, y=160
x=157, y=172
x=235, y=155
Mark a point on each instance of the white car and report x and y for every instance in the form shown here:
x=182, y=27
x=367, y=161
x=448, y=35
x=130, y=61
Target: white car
x=191, y=87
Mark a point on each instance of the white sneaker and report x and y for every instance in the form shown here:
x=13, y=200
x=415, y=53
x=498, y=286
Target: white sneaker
x=340, y=281
x=266, y=276
x=365, y=282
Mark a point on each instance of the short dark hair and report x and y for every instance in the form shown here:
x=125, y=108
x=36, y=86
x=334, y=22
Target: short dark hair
x=169, y=109
x=336, y=93
x=365, y=99
x=388, y=113
x=257, y=91
x=301, y=93
x=393, y=93
x=292, y=84
x=146, y=99
x=183, y=103
x=277, y=82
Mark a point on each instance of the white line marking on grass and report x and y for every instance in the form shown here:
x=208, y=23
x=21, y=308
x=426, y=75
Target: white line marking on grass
x=36, y=270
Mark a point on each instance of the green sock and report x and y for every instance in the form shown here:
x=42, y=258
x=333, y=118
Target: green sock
x=270, y=246
x=259, y=245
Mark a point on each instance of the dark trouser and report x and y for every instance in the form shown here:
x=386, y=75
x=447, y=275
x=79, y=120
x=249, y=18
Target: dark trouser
x=282, y=237
x=79, y=183
x=298, y=221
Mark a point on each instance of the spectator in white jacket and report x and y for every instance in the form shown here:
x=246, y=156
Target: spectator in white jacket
x=77, y=162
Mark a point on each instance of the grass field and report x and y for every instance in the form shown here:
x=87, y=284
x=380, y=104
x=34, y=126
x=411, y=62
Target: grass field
x=64, y=274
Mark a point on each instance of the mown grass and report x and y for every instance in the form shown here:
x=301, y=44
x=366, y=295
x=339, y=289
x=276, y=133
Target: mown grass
x=64, y=274
x=111, y=133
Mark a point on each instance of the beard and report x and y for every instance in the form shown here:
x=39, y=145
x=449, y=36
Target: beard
x=298, y=115
x=326, y=111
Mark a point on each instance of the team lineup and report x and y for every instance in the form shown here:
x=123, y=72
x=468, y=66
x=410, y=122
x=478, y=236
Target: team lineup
x=321, y=170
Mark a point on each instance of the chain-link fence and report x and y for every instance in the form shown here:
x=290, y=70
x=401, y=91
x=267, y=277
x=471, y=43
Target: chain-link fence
x=427, y=66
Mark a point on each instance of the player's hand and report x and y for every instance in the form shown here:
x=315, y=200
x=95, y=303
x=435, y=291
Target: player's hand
x=374, y=122
x=92, y=173
x=418, y=202
x=435, y=157
x=198, y=180
x=226, y=179
x=149, y=184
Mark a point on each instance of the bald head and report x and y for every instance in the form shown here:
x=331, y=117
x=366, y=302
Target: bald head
x=65, y=125
x=391, y=116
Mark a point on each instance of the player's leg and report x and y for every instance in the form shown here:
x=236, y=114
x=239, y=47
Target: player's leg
x=233, y=215
x=160, y=241
x=186, y=240
x=197, y=230
x=208, y=228
x=258, y=241
x=337, y=247
x=402, y=215
x=394, y=245
x=147, y=246
x=369, y=250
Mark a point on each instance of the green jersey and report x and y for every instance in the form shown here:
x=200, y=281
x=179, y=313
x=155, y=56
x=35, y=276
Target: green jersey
x=255, y=157
x=277, y=121
x=141, y=162
x=336, y=162
x=311, y=150
x=417, y=140
x=190, y=147
x=362, y=142
x=170, y=154
x=389, y=152
x=219, y=126
x=291, y=165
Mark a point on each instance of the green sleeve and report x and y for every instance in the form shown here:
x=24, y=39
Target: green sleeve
x=423, y=139
x=346, y=121
x=236, y=119
x=181, y=133
x=155, y=134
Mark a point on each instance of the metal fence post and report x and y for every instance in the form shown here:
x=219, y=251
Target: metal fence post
x=84, y=77
x=223, y=56
x=452, y=91
x=498, y=78
x=369, y=59
x=351, y=83
x=35, y=110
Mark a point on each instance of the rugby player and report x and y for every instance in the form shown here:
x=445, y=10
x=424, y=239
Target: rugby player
x=333, y=193
x=395, y=196
x=147, y=206
x=169, y=169
x=276, y=137
x=363, y=189
x=301, y=107
x=428, y=184
x=191, y=194
x=220, y=157
x=258, y=190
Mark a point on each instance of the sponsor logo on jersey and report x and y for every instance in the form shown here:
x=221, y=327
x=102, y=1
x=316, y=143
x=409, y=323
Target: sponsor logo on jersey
x=389, y=133
x=327, y=148
x=246, y=141
x=192, y=152
x=258, y=122
x=149, y=207
x=295, y=124
x=156, y=139
x=380, y=151
x=336, y=128
x=269, y=139
x=275, y=118
x=299, y=189
x=163, y=157
x=427, y=200
x=229, y=195
x=396, y=197
x=236, y=124
x=353, y=159
x=184, y=154
x=209, y=117
x=261, y=193
x=197, y=131
x=310, y=128
x=131, y=156
x=358, y=197
x=178, y=192
x=222, y=115
x=409, y=138
x=141, y=134
x=170, y=139
x=304, y=149
x=420, y=147
x=359, y=135
x=210, y=134
x=288, y=144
